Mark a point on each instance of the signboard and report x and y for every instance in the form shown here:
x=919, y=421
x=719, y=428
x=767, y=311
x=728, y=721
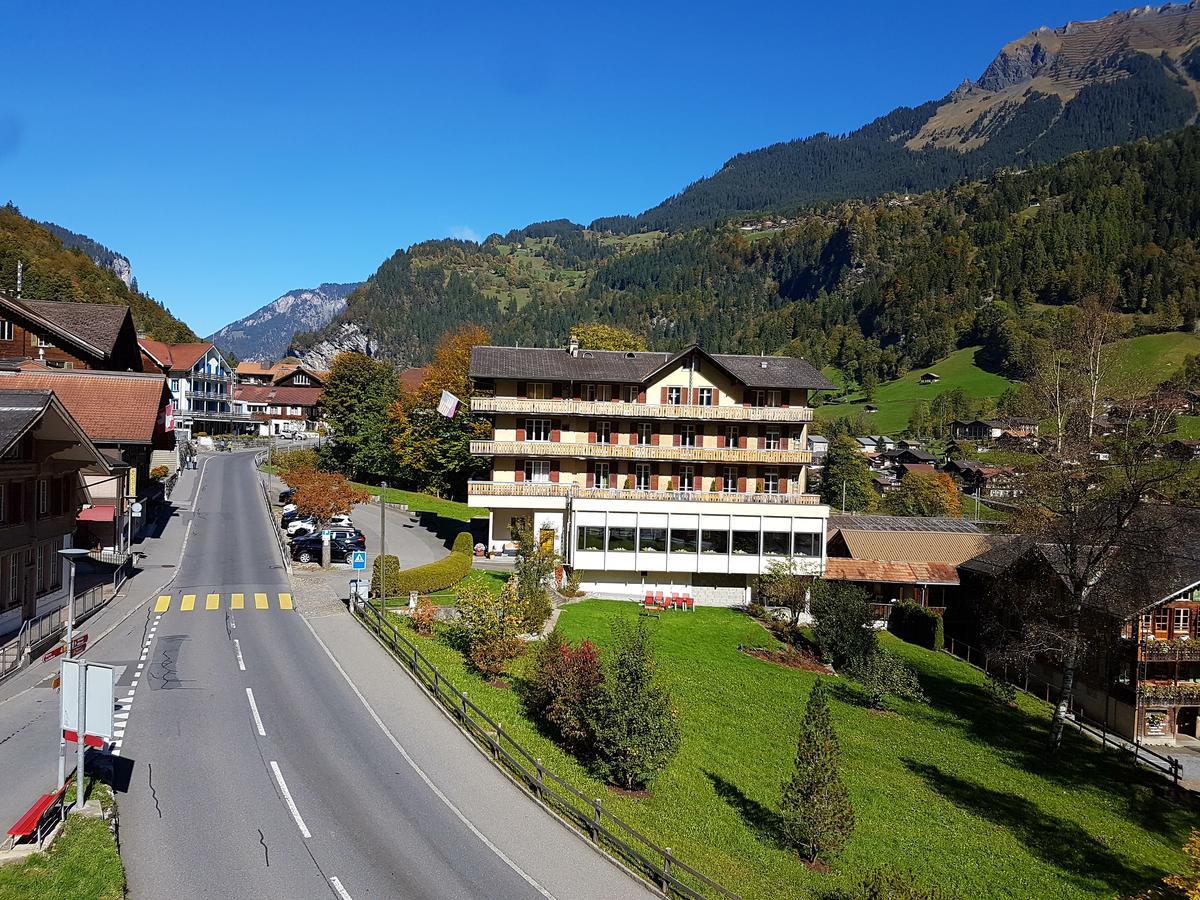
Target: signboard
x=358, y=559
x=169, y=416
x=448, y=405
x=135, y=510
x=78, y=645
x=326, y=534
x=98, y=682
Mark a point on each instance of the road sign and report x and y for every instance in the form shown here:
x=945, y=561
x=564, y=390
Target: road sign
x=358, y=559
x=326, y=534
x=135, y=510
x=98, y=682
x=78, y=645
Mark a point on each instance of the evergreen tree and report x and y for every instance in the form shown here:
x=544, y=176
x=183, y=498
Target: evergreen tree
x=816, y=814
x=846, y=469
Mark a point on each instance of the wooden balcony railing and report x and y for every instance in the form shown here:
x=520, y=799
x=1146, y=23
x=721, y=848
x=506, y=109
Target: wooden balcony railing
x=610, y=409
x=550, y=489
x=643, y=452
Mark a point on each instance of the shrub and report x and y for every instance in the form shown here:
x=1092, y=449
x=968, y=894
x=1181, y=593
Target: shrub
x=816, y=815
x=426, y=579
x=784, y=585
x=423, y=616
x=158, y=473
x=536, y=563
x=881, y=674
x=914, y=623
x=843, y=628
x=888, y=884
x=491, y=654
x=1000, y=691
x=564, y=683
x=756, y=611
x=634, y=725
x=491, y=624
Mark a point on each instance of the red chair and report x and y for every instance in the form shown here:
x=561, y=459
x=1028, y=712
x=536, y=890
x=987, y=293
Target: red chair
x=649, y=601
x=676, y=601
x=658, y=600
x=688, y=602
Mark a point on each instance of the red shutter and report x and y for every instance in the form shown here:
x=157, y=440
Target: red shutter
x=742, y=484
x=664, y=395
x=720, y=439
x=591, y=431
x=591, y=477
x=783, y=484
x=641, y=396
x=675, y=439
x=742, y=441
x=719, y=483
x=521, y=389
x=554, y=475
x=654, y=436
x=520, y=433
x=716, y=396
x=783, y=442
x=654, y=482
x=555, y=430
x=612, y=480
x=696, y=395
x=520, y=471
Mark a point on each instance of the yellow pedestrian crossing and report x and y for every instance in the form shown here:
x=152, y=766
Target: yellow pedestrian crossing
x=187, y=602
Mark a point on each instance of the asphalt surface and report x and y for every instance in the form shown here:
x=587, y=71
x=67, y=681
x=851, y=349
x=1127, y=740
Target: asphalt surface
x=340, y=779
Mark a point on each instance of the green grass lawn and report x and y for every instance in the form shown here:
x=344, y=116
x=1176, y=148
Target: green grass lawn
x=1187, y=428
x=493, y=582
x=82, y=864
x=896, y=399
x=1144, y=362
x=959, y=792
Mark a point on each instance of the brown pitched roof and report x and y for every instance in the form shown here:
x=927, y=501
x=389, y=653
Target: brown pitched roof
x=915, y=546
x=635, y=368
x=890, y=572
x=175, y=357
x=110, y=407
x=269, y=393
x=410, y=379
x=97, y=323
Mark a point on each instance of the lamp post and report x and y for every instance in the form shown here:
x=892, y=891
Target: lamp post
x=72, y=555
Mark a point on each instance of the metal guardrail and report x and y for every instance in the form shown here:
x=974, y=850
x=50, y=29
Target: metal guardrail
x=656, y=864
x=1167, y=765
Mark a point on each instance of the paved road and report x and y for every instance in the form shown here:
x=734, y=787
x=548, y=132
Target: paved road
x=260, y=763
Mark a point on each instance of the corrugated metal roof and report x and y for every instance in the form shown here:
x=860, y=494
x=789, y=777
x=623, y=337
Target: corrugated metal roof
x=867, y=570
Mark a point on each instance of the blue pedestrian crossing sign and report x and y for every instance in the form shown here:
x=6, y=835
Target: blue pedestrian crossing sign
x=358, y=559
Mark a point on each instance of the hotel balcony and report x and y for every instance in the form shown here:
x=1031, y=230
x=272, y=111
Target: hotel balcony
x=641, y=452
x=608, y=409
x=551, y=489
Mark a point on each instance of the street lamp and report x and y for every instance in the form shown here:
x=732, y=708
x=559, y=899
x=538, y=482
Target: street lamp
x=72, y=555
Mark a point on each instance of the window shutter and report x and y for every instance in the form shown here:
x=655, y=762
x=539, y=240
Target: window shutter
x=783, y=484
x=520, y=432
x=716, y=396
x=654, y=436
x=521, y=389
x=718, y=483
x=520, y=470
x=591, y=431
x=654, y=481
x=742, y=484
x=554, y=474
x=664, y=395
x=720, y=439
x=556, y=430
x=742, y=441
x=696, y=395
x=641, y=396
x=676, y=438
x=591, y=475
x=783, y=442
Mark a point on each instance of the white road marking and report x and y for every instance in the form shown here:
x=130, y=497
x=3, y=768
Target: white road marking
x=262, y=732
x=341, y=891
x=238, y=648
x=132, y=684
x=425, y=778
x=291, y=804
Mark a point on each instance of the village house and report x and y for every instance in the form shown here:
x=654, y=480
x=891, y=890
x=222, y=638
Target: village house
x=201, y=384
x=673, y=472
x=42, y=452
x=930, y=378
x=991, y=429
x=69, y=335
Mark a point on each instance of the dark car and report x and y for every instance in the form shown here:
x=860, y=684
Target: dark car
x=342, y=542
x=285, y=496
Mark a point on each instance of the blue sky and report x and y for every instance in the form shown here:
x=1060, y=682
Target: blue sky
x=236, y=151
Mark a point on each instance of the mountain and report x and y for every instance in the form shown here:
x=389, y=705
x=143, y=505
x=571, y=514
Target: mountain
x=53, y=271
x=267, y=332
x=94, y=250
x=1050, y=93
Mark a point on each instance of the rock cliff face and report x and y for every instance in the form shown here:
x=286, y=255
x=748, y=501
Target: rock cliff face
x=94, y=250
x=265, y=333
x=348, y=337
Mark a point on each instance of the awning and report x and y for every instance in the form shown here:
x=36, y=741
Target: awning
x=97, y=514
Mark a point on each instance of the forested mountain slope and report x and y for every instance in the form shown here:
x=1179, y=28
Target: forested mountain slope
x=54, y=272
x=874, y=287
x=1052, y=92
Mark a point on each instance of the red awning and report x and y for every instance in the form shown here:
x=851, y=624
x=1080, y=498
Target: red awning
x=97, y=514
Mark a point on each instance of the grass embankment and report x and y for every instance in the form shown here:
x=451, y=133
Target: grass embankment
x=493, y=582
x=959, y=792
x=1144, y=362
x=82, y=864
x=417, y=502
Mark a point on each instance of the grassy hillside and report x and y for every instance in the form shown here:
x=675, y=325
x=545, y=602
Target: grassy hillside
x=896, y=399
x=1146, y=361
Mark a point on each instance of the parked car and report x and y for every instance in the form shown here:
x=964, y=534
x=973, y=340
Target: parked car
x=342, y=543
x=299, y=436
x=289, y=507
x=286, y=495
x=310, y=525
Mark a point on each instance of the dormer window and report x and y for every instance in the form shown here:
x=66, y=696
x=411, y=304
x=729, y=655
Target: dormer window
x=301, y=378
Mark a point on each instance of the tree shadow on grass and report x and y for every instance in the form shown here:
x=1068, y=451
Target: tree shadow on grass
x=1058, y=842
x=762, y=820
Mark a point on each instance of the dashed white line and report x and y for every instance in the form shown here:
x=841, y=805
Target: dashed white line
x=341, y=891
x=291, y=804
x=238, y=647
x=262, y=732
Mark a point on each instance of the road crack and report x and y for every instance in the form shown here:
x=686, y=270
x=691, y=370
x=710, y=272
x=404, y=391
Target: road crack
x=266, y=852
x=153, y=792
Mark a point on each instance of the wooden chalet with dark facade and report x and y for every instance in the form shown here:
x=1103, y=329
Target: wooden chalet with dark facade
x=69, y=335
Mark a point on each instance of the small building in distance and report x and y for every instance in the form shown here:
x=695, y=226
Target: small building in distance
x=930, y=378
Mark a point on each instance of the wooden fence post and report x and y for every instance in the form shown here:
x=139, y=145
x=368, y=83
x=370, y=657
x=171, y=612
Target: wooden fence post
x=594, y=826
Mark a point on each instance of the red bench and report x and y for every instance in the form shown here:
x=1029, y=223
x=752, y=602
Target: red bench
x=31, y=821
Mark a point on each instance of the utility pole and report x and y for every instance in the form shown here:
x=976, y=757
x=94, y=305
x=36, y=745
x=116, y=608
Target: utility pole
x=383, y=485
x=843, y=496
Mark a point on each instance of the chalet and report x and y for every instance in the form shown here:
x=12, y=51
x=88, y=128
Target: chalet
x=201, y=383
x=870, y=408
x=907, y=456
x=875, y=443
x=42, y=452
x=915, y=469
x=978, y=478
x=930, y=378
x=278, y=409
x=69, y=335
x=285, y=373
x=818, y=446
x=990, y=429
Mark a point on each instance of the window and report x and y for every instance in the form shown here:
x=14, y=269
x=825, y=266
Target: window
x=539, y=390
x=806, y=543
x=683, y=540
x=706, y=396
x=1161, y=617
x=537, y=470
x=1147, y=624
x=631, y=393
x=620, y=540
x=776, y=543
x=687, y=478
x=714, y=542
x=43, y=496
x=602, y=472
x=745, y=543
x=731, y=435
x=770, y=483
x=644, y=432
x=591, y=537
x=589, y=392
x=14, y=579
x=1183, y=617
x=652, y=540
x=774, y=398
x=758, y=398
x=537, y=429
x=674, y=396
x=5, y=330
x=40, y=556
x=642, y=474
x=40, y=341
x=300, y=378
x=687, y=435
x=604, y=393
x=771, y=441
x=731, y=480
x=604, y=432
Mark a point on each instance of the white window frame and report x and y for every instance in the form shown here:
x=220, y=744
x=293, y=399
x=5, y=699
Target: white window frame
x=6, y=330
x=732, y=435
x=604, y=393
x=535, y=427
x=537, y=471
x=539, y=390
x=706, y=396
x=640, y=483
x=644, y=429
x=1183, y=619
x=631, y=393
x=589, y=392
x=40, y=341
x=774, y=398
x=604, y=432
x=674, y=396
x=770, y=482
x=771, y=439
x=687, y=478
x=300, y=378
x=730, y=484
x=602, y=472
x=687, y=435
x=14, y=578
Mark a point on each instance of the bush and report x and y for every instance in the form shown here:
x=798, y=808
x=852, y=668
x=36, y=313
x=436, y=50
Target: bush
x=914, y=623
x=881, y=674
x=423, y=616
x=491, y=654
x=756, y=611
x=158, y=473
x=843, y=629
x=1000, y=691
x=634, y=725
x=564, y=684
x=536, y=564
x=426, y=579
x=490, y=625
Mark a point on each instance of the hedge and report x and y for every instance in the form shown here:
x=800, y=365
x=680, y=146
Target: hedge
x=426, y=579
x=914, y=623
